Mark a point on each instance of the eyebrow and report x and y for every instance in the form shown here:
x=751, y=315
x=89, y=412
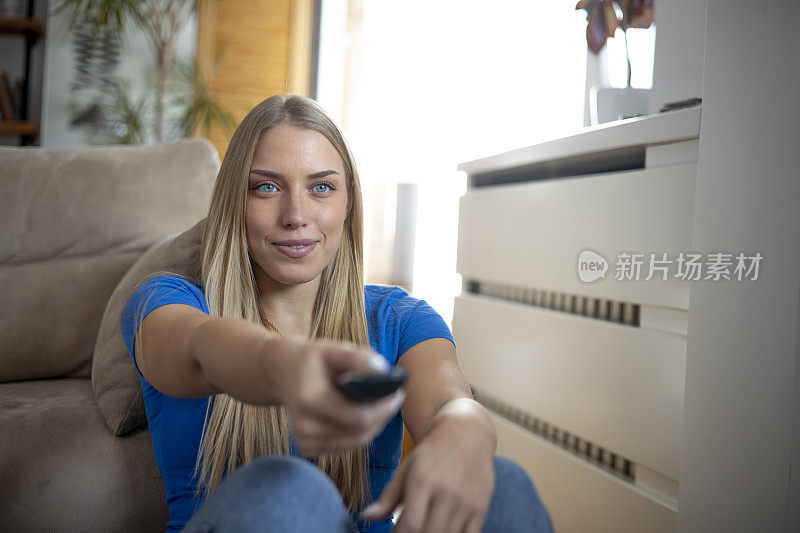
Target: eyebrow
x=271, y=174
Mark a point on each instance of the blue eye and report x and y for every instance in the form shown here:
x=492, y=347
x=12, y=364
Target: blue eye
x=327, y=187
x=258, y=187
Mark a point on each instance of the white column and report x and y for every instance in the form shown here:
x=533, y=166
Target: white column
x=741, y=414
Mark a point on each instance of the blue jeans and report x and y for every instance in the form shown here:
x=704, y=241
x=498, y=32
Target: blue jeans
x=285, y=493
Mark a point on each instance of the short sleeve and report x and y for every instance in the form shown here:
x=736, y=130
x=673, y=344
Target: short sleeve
x=152, y=294
x=421, y=323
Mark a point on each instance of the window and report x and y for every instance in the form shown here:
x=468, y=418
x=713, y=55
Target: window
x=421, y=85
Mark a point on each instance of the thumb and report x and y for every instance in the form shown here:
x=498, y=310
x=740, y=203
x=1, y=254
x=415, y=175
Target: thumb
x=389, y=498
x=348, y=357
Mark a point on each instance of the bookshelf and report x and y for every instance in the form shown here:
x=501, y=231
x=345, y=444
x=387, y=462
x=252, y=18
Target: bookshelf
x=16, y=118
x=18, y=127
x=22, y=26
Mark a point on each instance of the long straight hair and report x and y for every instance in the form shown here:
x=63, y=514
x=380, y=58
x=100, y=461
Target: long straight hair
x=234, y=432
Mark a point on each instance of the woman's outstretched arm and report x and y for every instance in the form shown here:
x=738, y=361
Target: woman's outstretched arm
x=446, y=483
x=178, y=351
x=185, y=353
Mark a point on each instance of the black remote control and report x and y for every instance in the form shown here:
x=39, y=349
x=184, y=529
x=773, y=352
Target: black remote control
x=370, y=387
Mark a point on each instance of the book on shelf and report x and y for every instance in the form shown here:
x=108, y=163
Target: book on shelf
x=7, y=107
x=16, y=98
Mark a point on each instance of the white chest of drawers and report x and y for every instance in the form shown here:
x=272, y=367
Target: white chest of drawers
x=586, y=379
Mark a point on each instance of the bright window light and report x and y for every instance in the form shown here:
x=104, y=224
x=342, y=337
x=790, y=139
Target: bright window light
x=641, y=43
x=431, y=83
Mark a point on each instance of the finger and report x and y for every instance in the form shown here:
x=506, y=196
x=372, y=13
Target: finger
x=325, y=443
x=416, y=506
x=318, y=448
x=312, y=431
x=442, y=515
x=389, y=499
x=475, y=525
x=460, y=522
x=333, y=437
x=328, y=443
x=357, y=417
x=343, y=357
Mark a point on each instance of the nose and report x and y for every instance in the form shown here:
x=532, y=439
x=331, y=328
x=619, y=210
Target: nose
x=294, y=210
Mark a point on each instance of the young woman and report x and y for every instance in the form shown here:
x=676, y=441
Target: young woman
x=238, y=370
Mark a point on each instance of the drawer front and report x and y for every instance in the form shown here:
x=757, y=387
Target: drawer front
x=531, y=234
x=580, y=497
x=617, y=386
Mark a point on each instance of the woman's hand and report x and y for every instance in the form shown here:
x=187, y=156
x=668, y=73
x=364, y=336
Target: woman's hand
x=446, y=484
x=324, y=420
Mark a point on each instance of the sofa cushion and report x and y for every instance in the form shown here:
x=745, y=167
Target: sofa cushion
x=51, y=313
x=73, y=222
x=63, y=470
x=114, y=377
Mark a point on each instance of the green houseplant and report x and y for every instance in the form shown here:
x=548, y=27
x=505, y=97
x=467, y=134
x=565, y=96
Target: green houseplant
x=113, y=113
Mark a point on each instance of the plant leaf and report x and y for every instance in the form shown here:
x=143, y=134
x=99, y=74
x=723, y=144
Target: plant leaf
x=611, y=20
x=596, y=29
x=642, y=13
x=586, y=4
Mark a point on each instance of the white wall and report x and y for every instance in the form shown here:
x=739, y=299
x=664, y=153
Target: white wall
x=741, y=398
x=678, y=62
x=136, y=65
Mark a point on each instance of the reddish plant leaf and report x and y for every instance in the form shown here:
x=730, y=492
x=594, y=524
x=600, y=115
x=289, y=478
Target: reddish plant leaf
x=637, y=13
x=596, y=29
x=611, y=20
x=643, y=18
x=625, y=6
x=603, y=20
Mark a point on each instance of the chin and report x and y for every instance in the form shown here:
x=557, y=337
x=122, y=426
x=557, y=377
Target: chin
x=294, y=278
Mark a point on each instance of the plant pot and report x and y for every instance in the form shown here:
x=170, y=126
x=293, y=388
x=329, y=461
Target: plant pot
x=610, y=103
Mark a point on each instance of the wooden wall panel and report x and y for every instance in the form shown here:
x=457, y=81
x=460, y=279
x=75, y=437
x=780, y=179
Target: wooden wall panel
x=264, y=47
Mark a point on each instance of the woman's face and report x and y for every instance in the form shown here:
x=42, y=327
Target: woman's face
x=296, y=204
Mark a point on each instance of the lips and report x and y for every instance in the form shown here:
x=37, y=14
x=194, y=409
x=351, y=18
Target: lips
x=296, y=248
x=295, y=242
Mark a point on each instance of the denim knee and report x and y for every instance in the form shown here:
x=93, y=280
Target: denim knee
x=515, y=504
x=283, y=493
x=281, y=471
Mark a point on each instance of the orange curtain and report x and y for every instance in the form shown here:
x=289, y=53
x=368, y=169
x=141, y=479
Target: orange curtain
x=252, y=49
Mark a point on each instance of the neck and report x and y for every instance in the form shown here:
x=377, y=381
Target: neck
x=289, y=307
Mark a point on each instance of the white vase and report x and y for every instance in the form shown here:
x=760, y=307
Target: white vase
x=611, y=103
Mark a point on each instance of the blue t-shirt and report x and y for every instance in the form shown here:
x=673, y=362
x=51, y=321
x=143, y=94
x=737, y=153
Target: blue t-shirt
x=396, y=322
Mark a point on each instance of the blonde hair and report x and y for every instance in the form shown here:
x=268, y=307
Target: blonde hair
x=234, y=432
